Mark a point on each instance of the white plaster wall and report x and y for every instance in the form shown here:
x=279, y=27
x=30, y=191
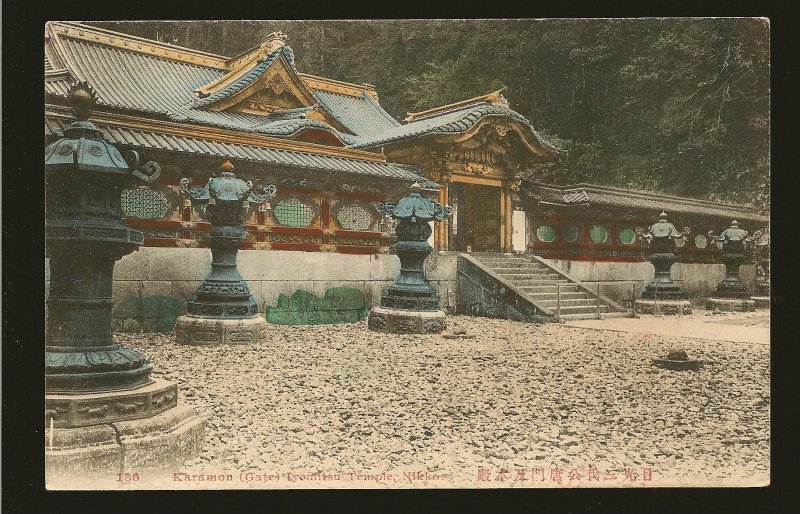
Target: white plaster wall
x=697, y=280
x=177, y=272
x=518, y=232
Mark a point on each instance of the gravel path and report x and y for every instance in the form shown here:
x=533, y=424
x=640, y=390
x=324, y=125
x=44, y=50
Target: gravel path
x=747, y=327
x=342, y=401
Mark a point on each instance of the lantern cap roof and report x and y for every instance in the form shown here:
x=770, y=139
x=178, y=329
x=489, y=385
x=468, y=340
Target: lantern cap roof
x=83, y=146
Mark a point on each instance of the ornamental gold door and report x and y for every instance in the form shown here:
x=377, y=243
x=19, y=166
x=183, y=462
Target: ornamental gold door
x=482, y=218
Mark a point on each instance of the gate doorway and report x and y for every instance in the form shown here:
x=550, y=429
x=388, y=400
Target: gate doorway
x=476, y=224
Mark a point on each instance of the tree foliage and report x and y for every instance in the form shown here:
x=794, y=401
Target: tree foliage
x=673, y=105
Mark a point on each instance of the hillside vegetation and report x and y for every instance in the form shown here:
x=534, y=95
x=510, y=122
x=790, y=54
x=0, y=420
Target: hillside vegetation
x=680, y=106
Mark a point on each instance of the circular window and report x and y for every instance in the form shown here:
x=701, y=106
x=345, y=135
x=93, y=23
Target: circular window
x=627, y=236
x=700, y=241
x=571, y=234
x=546, y=233
x=598, y=234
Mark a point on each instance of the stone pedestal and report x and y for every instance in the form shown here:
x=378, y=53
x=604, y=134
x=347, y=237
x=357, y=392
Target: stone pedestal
x=730, y=304
x=196, y=330
x=398, y=321
x=664, y=307
x=222, y=310
x=732, y=294
x=103, y=412
x=93, y=456
x=662, y=295
x=410, y=305
x=92, y=437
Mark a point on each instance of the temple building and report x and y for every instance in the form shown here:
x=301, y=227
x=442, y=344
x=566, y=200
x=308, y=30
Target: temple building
x=333, y=152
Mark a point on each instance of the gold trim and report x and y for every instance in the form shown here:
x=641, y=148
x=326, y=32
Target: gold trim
x=191, y=56
x=137, y=44
x=493, y=98
x=537, y=149
x=472, y=179
x=216, y=134
x=337, y=86
x=280, y=68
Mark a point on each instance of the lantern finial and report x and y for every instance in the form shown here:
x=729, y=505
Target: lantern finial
x=83, y=99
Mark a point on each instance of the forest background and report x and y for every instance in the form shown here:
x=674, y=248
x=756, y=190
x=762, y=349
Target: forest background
x=673, y=105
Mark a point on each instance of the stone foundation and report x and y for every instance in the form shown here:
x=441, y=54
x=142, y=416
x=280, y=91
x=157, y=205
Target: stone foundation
x=731, y=304
x=93, y=456
x=762, y=302
x=397, y=321
x=665, y=307
x=197, y=331
x=87, y=409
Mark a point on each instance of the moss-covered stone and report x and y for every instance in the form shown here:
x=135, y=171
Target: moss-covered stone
x=156, y=313
x=338, y=305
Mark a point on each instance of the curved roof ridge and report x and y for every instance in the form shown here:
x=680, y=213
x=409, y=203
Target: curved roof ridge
x=493, y=98
x=246, y=77
x=456, y=120
x=137, y=44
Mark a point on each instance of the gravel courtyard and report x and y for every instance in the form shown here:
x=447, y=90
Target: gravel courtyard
x=519, y=405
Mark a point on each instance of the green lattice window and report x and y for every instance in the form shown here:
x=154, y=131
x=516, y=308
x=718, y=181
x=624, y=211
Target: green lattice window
x=598, y=234
x=293, y=213
x=353, y=216
x=627, y=236
x=546, y=233
x=700, y=241
x=572, y=234
x=143, y=203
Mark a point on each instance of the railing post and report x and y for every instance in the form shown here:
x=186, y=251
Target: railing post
x=558, y=302
x=598, y=300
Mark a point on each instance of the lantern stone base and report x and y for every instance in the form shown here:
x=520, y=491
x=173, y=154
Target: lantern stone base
x=93, y=456
x=762, y=302
x=665, y=307
x=730, y=304
x=197, y=330
x=398, y=321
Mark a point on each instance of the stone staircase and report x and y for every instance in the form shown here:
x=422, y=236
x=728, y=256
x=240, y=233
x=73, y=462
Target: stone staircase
x=531, y=279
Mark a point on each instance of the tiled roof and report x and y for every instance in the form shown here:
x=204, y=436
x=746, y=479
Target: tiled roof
x=135, y=81
x=253, y=123
x=634, y=199
x=247, y=78
x=361, y=115
x=132, y=81
x=291, y=158
x=452, y=122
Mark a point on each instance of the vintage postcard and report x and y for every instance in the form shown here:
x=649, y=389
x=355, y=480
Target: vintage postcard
x=522, y=253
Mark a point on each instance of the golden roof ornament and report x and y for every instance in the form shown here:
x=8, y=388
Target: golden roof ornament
x=83, y=99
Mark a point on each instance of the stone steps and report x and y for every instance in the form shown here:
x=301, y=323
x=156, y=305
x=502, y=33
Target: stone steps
x=593, y=315
x=541, y=285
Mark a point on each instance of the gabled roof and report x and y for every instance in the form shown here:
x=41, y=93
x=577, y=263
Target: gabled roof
x=359, y=114
x=243, y=79
x=592, y=194
x=456, y=120
x=158, y=79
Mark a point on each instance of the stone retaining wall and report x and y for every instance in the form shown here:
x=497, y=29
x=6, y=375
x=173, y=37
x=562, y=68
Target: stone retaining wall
x=151, y=285
x=698, y=281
